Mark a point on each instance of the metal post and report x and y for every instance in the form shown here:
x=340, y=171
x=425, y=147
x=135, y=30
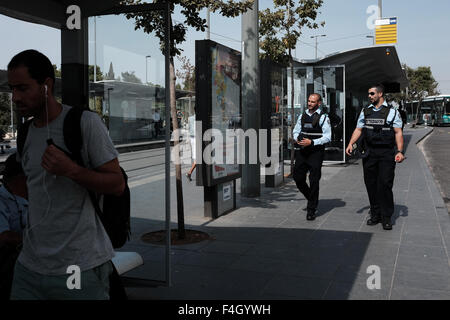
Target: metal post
x=316, y=48
x=167, y=149
x=380, y=7
x=251, y=173
x=95, y=48
x=208, y=23
x=146, y=63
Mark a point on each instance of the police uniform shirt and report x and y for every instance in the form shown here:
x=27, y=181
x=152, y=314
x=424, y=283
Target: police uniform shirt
x=398, y=123
x=326, y=128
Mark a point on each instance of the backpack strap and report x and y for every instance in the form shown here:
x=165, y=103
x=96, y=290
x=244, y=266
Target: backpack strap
x=72, y=134
x=22, y=135
x=74, y=142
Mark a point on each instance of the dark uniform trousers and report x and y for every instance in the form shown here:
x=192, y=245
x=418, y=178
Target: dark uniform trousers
x=309, y=159
x=379, y=173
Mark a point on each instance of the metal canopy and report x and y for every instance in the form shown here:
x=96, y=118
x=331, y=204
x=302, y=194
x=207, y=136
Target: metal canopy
x=367, y=66
x=52, y=13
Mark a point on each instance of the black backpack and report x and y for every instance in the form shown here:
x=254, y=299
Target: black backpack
x=115, y=215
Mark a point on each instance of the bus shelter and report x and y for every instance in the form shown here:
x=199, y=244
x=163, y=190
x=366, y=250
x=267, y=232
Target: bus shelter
x=106, y=41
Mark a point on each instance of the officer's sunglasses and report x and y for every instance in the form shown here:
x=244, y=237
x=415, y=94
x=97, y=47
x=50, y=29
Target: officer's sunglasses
x=372, y=93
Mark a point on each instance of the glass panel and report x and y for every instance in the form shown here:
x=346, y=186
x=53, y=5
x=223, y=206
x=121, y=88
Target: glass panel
x=128, y=92
x=329, y=83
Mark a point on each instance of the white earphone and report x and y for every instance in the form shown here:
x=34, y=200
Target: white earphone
x=45, y=89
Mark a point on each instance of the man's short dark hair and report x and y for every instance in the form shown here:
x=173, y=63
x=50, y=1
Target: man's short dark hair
x=38, y=65
x=380, y=88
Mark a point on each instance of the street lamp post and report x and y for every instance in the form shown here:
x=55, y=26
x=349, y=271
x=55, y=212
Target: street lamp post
x=146, y=62
x=312, y=37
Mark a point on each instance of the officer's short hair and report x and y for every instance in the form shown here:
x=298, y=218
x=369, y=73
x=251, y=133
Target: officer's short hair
x=319, y=97
x=380, y=88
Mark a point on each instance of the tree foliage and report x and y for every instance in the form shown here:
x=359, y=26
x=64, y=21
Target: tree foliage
x=5, y=112
x=421, y=84
x=98, y=75
x=187, y=73
x=130, y=77
x=281, y=28
x=154, y=21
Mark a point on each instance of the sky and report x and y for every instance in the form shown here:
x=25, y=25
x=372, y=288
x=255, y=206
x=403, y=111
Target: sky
x=422, y=37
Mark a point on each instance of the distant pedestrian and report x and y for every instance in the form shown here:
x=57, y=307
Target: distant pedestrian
x=403, y=115
x=381, y=126
x=157, y=120
x=64, y=233
x=191, y=122
x=311, y=133
x=13, y=218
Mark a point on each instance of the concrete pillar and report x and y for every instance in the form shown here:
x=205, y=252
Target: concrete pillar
x=250, y=181
x=74, y=66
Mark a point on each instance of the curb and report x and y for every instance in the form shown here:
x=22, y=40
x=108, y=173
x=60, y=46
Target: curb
x=426, y=135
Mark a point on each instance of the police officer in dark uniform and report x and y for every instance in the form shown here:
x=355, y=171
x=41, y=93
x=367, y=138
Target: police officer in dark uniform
x=311, y=132
x=381, y=126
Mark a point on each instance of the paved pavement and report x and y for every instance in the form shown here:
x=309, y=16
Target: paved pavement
x=267, y=250
x=436, y=148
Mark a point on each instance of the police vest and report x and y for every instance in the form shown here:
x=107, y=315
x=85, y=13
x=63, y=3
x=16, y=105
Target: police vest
x=311, y=129
x=377, y=131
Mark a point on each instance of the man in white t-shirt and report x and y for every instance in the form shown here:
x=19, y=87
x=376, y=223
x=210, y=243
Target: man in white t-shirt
x=64, y=237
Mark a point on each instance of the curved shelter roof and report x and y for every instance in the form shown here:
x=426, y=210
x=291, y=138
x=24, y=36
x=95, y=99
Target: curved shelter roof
x=368, y=66
x=52, y=13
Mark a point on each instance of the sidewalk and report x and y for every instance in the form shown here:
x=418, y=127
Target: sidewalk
x=267, y=250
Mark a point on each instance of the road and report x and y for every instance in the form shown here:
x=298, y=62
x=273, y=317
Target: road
x=436, y=148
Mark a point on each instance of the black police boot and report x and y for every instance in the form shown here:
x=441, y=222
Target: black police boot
x=373, y=221
x=311, y=215
x=387, y=225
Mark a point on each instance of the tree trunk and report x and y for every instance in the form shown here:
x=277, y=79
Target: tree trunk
x=176, y=137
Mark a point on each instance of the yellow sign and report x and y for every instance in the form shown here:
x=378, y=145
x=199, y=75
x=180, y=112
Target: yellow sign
x=386, y=31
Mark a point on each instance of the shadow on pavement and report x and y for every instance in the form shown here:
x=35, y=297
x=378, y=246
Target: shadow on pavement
x=256, y=263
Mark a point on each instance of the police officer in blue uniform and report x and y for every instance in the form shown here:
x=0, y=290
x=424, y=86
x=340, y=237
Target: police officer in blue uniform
x=311, y=133
x=381, y=126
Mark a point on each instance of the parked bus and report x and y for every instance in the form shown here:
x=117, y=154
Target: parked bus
x=436, y=110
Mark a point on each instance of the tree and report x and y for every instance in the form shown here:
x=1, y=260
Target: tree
x=57, y=71
x=130, y=77
x=98, y=73
x=187, y=73
x=154, y=22
x=421, y=85
x=279, y=31
x=5, y=112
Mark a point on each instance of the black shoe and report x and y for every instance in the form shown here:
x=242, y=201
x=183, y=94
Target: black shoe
x=311, y=215
x=387, y=225
x=373, y=221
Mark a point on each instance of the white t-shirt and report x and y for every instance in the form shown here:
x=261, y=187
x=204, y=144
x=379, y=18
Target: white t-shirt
x=63, y=228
